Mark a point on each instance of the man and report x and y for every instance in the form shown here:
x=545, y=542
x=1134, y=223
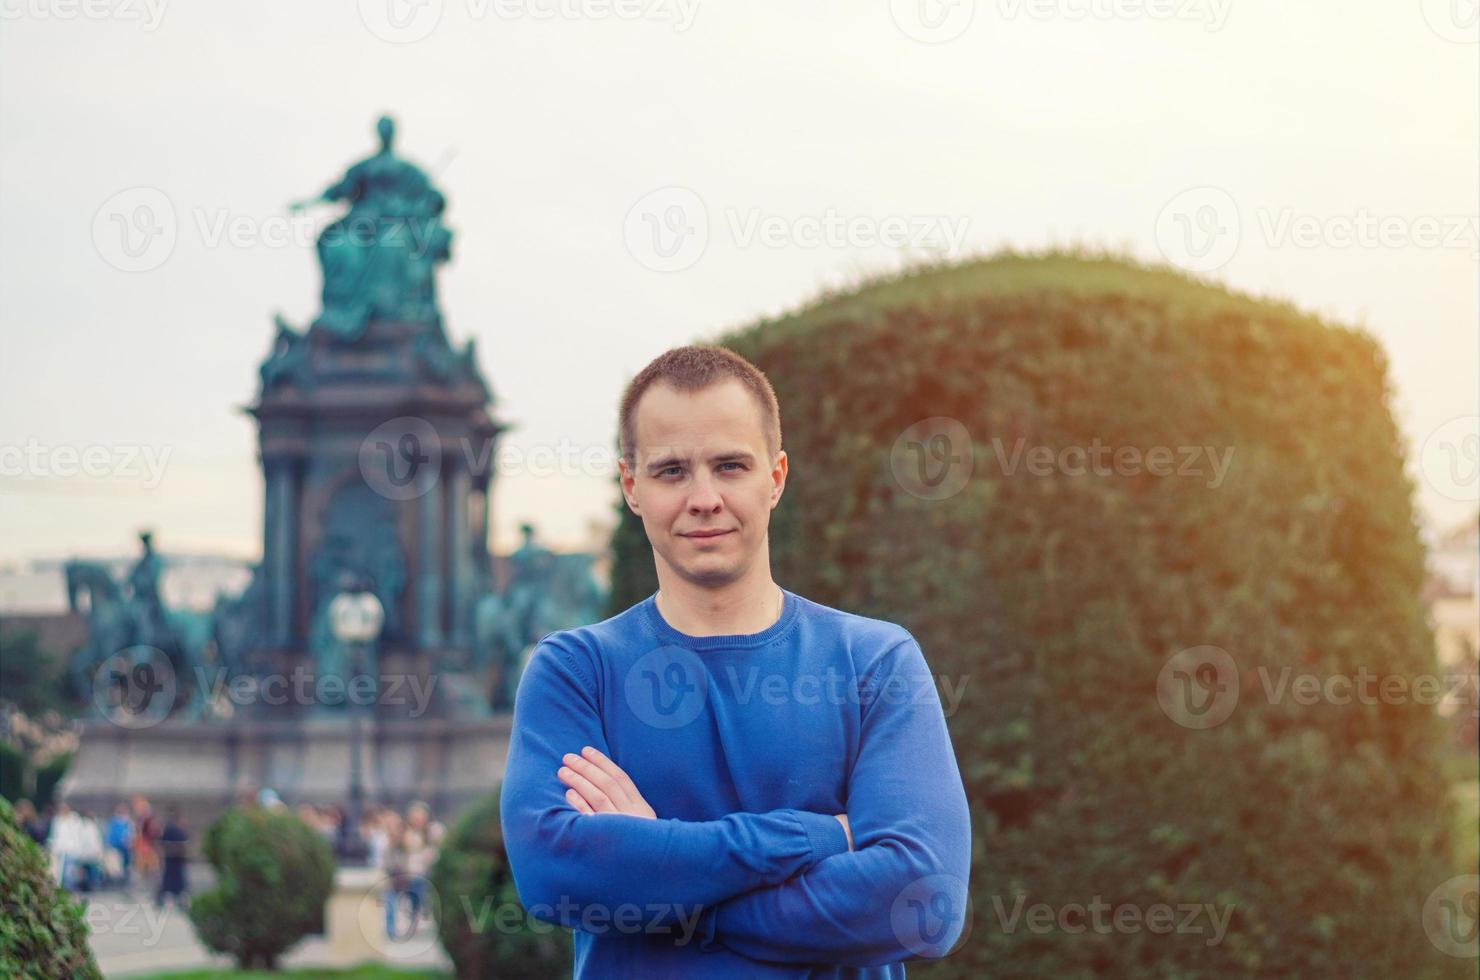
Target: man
x=727, y=779
x=172, y=844
x=89, y=853
x=121, y=842
x=65, y=844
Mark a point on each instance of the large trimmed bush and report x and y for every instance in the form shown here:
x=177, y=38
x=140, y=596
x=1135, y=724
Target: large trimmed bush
x=43, y=933
x=480, y=921
x=273, y=875
x=1058, y=599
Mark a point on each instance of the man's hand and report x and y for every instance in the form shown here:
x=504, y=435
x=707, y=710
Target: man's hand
x=847, y=831
x=598, y=785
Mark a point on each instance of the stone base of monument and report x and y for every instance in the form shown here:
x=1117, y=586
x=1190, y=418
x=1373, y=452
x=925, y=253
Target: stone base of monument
x=207, y=766
x=354, y=923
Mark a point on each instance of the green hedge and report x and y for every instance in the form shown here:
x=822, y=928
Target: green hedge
x=12, y=776
x=43, y=933
x=273, y=875
x=1058, y=600
x=480, y=921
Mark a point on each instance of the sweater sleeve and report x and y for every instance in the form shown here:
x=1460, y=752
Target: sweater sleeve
x=902, y=891
x=565, y=862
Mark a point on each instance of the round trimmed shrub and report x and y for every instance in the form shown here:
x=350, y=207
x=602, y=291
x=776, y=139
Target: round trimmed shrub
x=273, y=875
x=43, y=933
x=480, y=921
x=1053, y=596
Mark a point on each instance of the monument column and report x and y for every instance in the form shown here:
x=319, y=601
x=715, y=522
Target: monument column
x=429, y=568
x=460, y=556
x=482, y=566
x=280, y=527
x=482, y=479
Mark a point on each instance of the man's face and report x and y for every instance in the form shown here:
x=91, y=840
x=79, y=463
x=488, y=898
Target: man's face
x=701, y=465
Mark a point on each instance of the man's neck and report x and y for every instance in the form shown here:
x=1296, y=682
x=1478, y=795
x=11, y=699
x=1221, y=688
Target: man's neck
x=734, y=610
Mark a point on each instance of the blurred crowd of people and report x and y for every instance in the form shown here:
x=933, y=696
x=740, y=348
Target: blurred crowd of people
x=134, y=849
x=405, y=849
x=403, y=846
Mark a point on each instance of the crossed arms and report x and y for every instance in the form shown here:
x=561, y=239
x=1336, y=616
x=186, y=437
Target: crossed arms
x=880, y=884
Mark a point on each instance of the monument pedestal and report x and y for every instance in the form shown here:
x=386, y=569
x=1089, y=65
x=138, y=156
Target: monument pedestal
x=354, y=923
x=206, y=767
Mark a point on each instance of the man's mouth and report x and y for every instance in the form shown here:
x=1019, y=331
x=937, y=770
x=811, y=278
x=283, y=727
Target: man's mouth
x=705, y=534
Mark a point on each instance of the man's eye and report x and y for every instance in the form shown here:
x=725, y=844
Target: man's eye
x=670, y=469
x=735, y=464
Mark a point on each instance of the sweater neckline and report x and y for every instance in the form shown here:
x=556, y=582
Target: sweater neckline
x=790, y=608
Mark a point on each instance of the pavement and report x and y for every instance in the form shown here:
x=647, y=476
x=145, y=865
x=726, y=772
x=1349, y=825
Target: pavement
x=130, y=937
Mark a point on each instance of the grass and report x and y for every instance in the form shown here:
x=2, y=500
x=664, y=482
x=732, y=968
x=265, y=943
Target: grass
x=368, y=971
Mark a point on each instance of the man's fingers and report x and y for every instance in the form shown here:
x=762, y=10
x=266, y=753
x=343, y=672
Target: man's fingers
x=578, y=801
x=612, y=769
x=603, y=783
x=599, y=777
x=600, y=802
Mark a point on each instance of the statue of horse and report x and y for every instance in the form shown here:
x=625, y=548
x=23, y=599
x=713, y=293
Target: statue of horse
x=109, y=622
x=116, y=623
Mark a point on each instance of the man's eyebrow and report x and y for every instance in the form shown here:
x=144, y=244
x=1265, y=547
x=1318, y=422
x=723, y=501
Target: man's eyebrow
x=673, y=459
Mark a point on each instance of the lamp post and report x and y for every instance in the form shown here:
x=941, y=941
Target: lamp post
x=355, y=617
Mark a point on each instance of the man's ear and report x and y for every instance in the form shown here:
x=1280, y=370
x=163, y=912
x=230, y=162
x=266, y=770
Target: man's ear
x=627, y=484
x=778, y=483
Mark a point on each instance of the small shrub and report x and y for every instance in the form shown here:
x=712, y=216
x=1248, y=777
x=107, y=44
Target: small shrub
x=273, y=875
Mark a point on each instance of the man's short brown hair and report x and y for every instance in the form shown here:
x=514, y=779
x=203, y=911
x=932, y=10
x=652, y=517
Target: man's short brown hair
x=695, y=368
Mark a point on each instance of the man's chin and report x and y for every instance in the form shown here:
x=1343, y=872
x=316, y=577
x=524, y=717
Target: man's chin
x=709, y=574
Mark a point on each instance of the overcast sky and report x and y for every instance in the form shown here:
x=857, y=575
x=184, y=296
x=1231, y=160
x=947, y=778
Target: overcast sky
x=627, y=175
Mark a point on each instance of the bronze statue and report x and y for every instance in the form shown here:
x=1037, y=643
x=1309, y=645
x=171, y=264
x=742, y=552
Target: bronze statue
x=380, y=257
x=545, y=592
x=132, y=617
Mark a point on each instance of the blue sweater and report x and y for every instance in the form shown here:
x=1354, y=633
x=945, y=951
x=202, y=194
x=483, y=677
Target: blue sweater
x=745, y=746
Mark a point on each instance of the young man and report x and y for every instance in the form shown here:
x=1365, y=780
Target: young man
x=727, y=779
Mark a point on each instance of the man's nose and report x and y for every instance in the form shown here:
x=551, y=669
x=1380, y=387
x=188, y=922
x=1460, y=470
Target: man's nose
x=704, y=496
